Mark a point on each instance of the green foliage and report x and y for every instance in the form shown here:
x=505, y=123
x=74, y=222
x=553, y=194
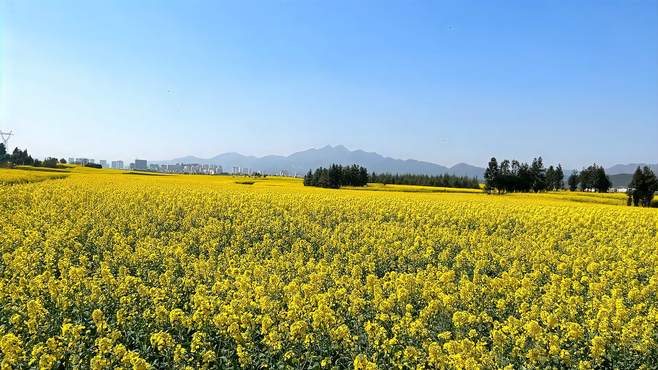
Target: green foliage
x=554, y=178
x=573, y=181
x=642, y=187
x=50, y=162
x=594, y=178
x=491, y=175
x=21, y=157
x=538, y=175
x=447, y=181
x=336, y=176
x=515, y=176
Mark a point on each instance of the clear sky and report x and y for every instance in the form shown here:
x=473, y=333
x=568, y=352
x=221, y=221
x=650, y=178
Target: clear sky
x=443, y=81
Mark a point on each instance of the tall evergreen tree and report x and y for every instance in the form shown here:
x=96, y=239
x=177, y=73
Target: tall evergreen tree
x=335, y=176
x=491, y=175
x=551, y=178
x=308, y=179
x=586, y=178
x=573, y=181
x=538, y=173
x=362, y=178
x=559, y=177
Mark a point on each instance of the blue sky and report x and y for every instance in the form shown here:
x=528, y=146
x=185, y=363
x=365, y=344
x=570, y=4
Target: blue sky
x=443, y=81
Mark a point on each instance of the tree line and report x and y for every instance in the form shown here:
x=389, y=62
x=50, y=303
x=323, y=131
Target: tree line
x=21, y=158
x=514, y=176
x=449, y=181
x=336, y=176
x=592, y=178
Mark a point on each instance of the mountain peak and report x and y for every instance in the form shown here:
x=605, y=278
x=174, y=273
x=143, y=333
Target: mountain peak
x=339, y=147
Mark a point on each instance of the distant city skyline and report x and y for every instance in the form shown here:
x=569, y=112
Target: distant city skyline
x=443, y=82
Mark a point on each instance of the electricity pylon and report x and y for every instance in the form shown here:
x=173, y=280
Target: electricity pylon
x=5, y=138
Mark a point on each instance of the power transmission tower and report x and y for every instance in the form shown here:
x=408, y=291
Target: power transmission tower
x=5, y=138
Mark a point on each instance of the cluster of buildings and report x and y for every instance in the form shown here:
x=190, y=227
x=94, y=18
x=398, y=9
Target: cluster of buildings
x=85, y=161
x=247, y=171
x=237, y=170
x=189, y=168
x=118, y=165
x=185, y=168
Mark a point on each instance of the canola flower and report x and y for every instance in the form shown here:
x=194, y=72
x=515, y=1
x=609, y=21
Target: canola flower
x=22, y=176
x=104, y=270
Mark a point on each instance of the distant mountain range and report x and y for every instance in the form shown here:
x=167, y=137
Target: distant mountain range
x=629, y=168
x=300, y=162
x=620, y=180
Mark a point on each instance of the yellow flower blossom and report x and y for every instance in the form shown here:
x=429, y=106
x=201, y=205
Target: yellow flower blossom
x=109, y=270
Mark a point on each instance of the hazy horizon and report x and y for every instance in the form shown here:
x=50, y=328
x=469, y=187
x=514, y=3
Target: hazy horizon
x=130, y=159
x=445, y=82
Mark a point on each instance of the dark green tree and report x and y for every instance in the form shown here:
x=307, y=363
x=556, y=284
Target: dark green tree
x=21, y=157
x=308, y=179
x=336, y=176
x=491, y=175
x=362, y=178
x=505, y=179
x=445, y=180
x=586, y=178
x=601, y=181
x=525, y=178
x=573, y=181
x=559, y=177
x=538, y=173
x=551, y=178
x=323, y=178
x=642, y=187
x=50, y=162
x=520, y=177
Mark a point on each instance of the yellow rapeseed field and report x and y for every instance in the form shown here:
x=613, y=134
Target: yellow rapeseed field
x=105, y=269
x=22, y=176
